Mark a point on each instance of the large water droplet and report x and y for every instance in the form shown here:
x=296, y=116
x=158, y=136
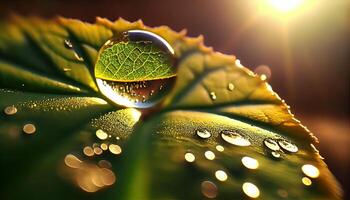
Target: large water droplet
x=288, y=146
x=235, y=138
x=203, y=133
x=271, y=144
x=135, y=69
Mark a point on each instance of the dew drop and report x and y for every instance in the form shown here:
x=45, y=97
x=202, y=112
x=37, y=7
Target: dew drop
x=251, y=190
x=78, y=57
x=234, y=138
x=213, y=95
x=203, y=133
x=275, y=154
x=310, y=170
x=10, y=110
x=231, y=87
x=104, y=146
x=282, y=193
x=209, y=155
x=88, y=151
x=98, y=150
x=288, y=146
x=101, y=134
x=306, y=181
x=141, y=91
x=29, y=129
x=68, y=44
x=271, y=144
x=263, y=71
x=220, y=148
x=72, y=161
x=249, y=162
x=104, y=164
x=221, y=175
x=115, y=149
x=189, y=157
x=209, y=189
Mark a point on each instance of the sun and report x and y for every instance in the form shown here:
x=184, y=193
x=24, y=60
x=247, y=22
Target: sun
x=285, y=5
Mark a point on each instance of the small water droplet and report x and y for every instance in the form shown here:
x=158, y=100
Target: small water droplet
x=29, y=129
x=310, y=170
x=220, y=148
x=72, y=161
x=203, y=133
x=234, y=138
x=288, y=146
x=209, y=189
x=104, y=164
x=306, y=181
x=275, y=154
x=251, y=190
x=115, y=149
x=68, y=44
x=101, y=134
x=78, y=57
x=98, y=150
x=88, y=151
x=189, y=157
x=249, y=162
x=271, y=144
x=282, y=193
x=213, y=95
x=230, y=87
x=104, y=146
x=209, y=155
x=263, y=71
x=130, y=91
x=10, y=110
x=221, y=175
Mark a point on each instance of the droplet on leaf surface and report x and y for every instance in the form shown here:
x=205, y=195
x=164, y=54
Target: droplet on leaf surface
x=251, y=190
x=234, y=138
x=271, y=144
x=203, y=133
x=288, y=146
x=249, y=162
x=10, y=110
x=310, y=170
x=221, y=175
x=29, y=129
x=135, y=69
x=209, y=189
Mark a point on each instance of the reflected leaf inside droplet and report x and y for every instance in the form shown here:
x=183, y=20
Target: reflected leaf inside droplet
x=135, y=69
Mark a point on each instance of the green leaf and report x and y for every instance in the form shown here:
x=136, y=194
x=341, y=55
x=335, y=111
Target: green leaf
x=133, y=61
x=212, y=92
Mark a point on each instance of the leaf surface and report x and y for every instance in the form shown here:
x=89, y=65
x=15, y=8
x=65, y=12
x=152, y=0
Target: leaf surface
x=212, y=92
